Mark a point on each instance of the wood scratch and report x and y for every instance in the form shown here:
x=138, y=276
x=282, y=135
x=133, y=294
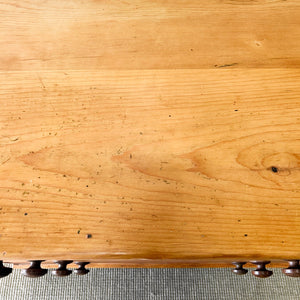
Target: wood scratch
x=226, y=65
x=41, y=81
x=4, y=162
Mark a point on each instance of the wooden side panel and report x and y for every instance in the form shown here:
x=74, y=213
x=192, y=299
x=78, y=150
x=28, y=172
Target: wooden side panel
x=188, y=164
x=147, y=34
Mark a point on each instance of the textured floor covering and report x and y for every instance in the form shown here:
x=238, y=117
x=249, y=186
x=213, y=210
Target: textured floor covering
x=151, y=284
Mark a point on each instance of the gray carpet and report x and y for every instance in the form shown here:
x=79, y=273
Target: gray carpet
x=151, y=284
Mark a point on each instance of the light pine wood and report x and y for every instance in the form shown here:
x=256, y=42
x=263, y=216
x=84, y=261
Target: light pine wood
x=139, y=34
x=145, y=131
x=150, y=163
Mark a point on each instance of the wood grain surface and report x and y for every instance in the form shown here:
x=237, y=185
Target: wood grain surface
x=149, y=130
x=149, y=34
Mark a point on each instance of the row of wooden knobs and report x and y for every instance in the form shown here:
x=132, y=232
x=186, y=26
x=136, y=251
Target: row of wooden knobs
x=35, y=269
x=293, y=270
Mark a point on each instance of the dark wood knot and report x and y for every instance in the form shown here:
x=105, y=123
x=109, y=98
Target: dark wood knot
x=239, y=270
x=81, y=270
x=4, y=271
x=261, y=270
x=62, y=270
x=293, y=270
x=34, y=270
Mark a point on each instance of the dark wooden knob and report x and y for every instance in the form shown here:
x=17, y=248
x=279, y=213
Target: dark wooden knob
x=62, y=270
x=293, y=270
x=4, y=271
x=35, y=269
x=81, y=270
x=261, y=270
x=239, y=270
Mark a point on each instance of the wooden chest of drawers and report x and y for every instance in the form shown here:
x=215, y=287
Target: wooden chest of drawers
x=150, y=133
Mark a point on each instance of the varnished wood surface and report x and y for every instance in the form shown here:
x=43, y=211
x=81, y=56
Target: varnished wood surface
x=149, y=130
x=146, y=34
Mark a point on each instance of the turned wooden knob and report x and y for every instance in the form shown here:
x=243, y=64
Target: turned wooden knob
x=4, y=271
x=34, y=270
x=239, y=270
x=261, y=270
x=293, y=270
x=81, y=270
x=62, y=270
